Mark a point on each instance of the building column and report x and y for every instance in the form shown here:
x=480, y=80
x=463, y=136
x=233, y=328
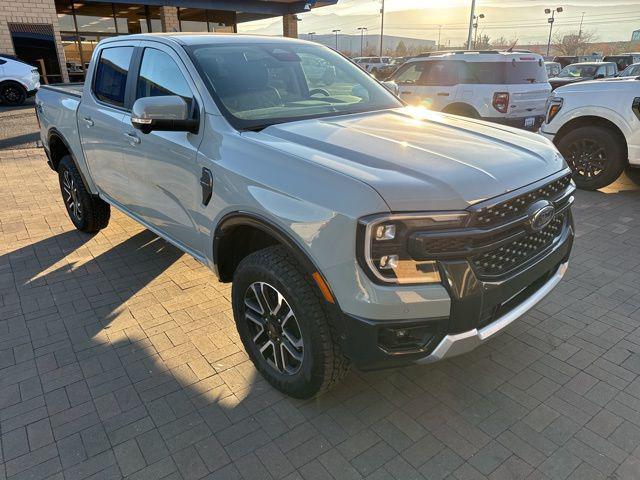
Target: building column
x=290, y=26
x=169, y=19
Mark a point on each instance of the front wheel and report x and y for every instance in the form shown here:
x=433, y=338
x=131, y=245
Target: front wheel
x=284, y=325
x=595, y=155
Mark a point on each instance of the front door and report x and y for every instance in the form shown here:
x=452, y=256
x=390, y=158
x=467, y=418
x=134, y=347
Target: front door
x=409, y=78
x=100, y=121
x=162, y=166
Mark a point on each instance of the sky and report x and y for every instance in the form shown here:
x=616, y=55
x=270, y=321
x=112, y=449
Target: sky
x=524, y=20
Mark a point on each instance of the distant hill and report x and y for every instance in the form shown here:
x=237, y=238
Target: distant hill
x=351, y=43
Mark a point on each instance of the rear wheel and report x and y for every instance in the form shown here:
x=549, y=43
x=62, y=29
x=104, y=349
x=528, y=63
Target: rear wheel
x=284, y=325
x=595, y=156
x=88, y=212
x=462, y=111
x=12, y=93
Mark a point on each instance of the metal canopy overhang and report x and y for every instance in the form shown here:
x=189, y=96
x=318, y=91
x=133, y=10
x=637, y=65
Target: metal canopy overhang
x=262, y=7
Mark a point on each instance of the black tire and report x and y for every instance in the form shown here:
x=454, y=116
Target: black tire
x=322, y=363
x=595, y=155
x=88, y=212
x=12, y=93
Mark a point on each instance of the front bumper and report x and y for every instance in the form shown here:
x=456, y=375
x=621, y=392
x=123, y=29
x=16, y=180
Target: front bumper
x=479, y=310
x=519, y=122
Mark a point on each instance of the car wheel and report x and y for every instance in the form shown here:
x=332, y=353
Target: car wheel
x=13, y=93
x=87, y=212
x=462, y=111
x=595, y=156
x=284, y=326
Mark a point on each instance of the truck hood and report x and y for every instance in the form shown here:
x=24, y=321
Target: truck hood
x=420, y=160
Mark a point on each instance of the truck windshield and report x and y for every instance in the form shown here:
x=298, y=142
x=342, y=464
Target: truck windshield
x=256, y=85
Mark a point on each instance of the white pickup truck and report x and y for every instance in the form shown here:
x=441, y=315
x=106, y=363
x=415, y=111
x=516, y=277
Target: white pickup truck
x=596, y=126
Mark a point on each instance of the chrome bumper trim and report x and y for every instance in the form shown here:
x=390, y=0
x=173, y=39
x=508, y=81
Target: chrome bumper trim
x=460, y=343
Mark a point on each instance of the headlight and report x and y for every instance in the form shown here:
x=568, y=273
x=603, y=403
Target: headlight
x=555, y=104
x=383, y=246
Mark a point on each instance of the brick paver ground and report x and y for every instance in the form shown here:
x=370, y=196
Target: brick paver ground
x=118, y=357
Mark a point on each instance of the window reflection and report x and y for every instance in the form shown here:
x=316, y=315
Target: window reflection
x=131, y=18
x=95, y=17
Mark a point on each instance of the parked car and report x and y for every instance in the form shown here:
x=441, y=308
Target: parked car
x=385, y=72
x=623, y=60
x=632, y=70
x=596, y=126
x=568, y=60
x=18, y=81
x=580, y=72
x=553, y=69
x=356, y=230
x=510, y=88
x=372, y=64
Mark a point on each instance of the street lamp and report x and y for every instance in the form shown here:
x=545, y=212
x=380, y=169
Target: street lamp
x=310, y=35
x=381, y=27
x=336, y=31
x=362, y=30
x=551, y=19
x=475, y=26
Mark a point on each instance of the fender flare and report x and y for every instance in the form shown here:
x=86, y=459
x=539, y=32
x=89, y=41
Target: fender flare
x=54, y=132
x=240, y=218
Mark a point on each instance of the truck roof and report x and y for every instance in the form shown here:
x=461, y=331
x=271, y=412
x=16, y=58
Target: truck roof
x=204, y=38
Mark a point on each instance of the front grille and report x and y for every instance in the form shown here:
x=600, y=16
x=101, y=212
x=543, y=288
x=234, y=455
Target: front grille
x=512, y=208
x=511, y=256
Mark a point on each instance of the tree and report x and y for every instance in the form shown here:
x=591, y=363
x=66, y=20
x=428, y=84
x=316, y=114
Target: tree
x=502, y=43
x=401, y=49
x=575, y=43
x=483, y=42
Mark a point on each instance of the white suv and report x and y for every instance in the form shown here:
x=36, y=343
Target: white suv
x=510, y=88
x=372, y=64
x=17, y=81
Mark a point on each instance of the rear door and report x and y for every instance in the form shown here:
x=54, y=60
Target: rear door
x=440, y=84
x=162, y=166
x=409, y=78
x=100, y=120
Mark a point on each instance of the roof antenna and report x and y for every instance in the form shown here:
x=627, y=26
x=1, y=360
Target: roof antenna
x=510, y=49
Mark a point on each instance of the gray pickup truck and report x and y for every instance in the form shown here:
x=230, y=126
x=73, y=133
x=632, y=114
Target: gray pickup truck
x=355, y=229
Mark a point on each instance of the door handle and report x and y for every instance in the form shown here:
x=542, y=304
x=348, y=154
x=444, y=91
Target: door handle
x=206, y=182
x=88, y=121
x=133, y=138
x=443, y=94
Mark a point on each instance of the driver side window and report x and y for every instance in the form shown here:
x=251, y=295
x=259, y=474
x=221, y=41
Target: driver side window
x=410, y=74
x=160, y=76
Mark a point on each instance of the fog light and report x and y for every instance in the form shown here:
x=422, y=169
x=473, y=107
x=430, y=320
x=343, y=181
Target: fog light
x=385, y=232
x=405, y=338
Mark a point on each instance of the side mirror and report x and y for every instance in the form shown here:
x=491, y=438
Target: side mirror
x=392, y=87
x=168, y=113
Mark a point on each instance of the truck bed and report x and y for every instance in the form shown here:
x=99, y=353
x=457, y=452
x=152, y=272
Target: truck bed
x=74, y=89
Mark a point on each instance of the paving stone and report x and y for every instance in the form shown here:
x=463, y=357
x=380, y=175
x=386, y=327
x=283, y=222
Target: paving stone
x=119, y=357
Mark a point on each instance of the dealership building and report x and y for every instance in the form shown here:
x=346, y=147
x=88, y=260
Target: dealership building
x=58, y=36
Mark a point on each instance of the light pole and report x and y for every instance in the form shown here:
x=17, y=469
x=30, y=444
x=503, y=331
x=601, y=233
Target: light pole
x=362, y=30
x=310, y=35
x=336, y=31
x=471, y=19
x=551, y=19
x=475, y=26
x=439, y=32
x=381, y=27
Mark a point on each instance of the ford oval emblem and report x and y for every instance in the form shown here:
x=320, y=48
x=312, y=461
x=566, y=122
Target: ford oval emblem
x=540, y=215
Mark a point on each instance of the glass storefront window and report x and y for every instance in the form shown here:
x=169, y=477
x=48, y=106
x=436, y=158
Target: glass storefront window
x=65, y=15
x=193, y=20
x=154, y=18
x=221, y=21
x=95, y=17
x=131, y=18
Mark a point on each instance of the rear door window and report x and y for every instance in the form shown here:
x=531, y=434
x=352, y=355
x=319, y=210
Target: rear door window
x=443, y=73
x=111, y=75
x=503, y=73
x=611, y=71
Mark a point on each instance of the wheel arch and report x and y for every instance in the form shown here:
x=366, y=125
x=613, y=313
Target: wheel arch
x=460, y=106
x=591, y=121
x=230, y=245
x=58, y=147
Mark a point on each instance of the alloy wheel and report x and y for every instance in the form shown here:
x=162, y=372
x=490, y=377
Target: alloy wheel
x=11, y=94
x=274, y=328
x=71, y=197
x=587, y=158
